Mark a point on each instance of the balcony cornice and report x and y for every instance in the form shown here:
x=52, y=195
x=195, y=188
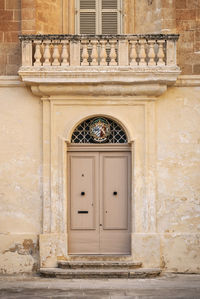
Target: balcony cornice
x=26, y=37
x=106, y=65
x=148, y=81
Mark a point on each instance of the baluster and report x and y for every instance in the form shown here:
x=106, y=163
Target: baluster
x=133, y=53
x=103, y=54
x=38, y=54
x=113, y=54
x=47, y=54
x=56, y=54
x=161, y=54
x=75, y=52
x=142, y=53
x=85, y=54
x=65, y=54
x=94, y=54
x=27, y=57
x=152, y=54
x=123, y=52
x=171, y=52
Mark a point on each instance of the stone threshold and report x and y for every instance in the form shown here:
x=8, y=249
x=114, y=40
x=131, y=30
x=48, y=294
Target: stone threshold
x=98, y=264
x=99, y=273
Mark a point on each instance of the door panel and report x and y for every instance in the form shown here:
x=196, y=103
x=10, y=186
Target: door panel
x=114, y=190
x=99, y=202
x=115, y=242
x=83, y=207
x=115, y=203
x=82, y=192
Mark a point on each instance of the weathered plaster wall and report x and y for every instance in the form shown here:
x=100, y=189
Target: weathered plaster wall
x=49, y=17
x=148, y=12
x=155, y=16
x=173, y=244
x=178, y=178
x=20, y=178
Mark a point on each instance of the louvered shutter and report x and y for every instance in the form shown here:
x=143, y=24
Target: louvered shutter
x=98, y=16
x=87, y=16
x=110, y=18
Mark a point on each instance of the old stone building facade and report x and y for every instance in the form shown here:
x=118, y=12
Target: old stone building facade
x=99, y=132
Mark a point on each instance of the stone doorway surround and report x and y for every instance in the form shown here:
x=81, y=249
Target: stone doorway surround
x=60, y=117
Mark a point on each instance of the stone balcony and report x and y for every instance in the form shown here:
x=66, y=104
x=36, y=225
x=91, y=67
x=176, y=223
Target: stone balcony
x=133, y=65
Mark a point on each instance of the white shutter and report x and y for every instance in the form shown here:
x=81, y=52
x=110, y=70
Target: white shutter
x=109, y=23
x=87, y=22
x=110, y=16
x=88, y=4
x=87, y=16
x=98, y=16
x=109, y=4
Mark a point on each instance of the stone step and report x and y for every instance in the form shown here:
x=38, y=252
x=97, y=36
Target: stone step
x=98, y=257
x=98, y=264
x=98, y=273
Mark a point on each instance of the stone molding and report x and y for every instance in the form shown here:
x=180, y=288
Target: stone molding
x=105, y=81
x=182, y=81
x=188, y=81
x=93, y=36
x=11, y=81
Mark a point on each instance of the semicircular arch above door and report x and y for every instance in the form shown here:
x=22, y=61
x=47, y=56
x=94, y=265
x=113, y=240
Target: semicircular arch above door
x=99, y=130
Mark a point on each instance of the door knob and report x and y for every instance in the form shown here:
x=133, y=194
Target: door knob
x=82, y=193
x=115, y=193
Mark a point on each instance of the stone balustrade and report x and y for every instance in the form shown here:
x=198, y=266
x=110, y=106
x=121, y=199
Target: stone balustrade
x=63, y=51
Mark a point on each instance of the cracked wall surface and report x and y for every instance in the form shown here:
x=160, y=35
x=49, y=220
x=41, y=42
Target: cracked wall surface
x=18, y=253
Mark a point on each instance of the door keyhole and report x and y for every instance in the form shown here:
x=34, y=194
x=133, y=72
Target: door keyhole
x=82, y=193
x=115, y=193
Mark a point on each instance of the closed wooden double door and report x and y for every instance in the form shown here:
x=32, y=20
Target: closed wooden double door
x=99, y=202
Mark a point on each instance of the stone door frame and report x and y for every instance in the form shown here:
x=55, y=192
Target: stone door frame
x=53, y=239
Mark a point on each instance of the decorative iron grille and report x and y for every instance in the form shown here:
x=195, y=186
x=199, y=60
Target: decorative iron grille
x=99, y=130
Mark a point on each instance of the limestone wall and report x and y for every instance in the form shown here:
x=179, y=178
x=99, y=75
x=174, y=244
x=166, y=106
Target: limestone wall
x=140, y=16
x=20, y=178
x=10, y=21
x=173, y=245
x=178, y=177
x=178, y=153
x=175, y=241
x=188, y=26
x=49, y=17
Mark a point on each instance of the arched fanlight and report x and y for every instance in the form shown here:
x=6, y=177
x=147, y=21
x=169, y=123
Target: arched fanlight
x=99, y=130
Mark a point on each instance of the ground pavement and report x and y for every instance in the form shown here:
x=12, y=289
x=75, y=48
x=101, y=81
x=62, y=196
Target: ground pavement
x=164, y=287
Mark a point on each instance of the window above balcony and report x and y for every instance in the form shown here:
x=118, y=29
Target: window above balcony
x=98, y=17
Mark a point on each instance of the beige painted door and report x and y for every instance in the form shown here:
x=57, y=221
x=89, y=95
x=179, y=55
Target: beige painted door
x=99, y=203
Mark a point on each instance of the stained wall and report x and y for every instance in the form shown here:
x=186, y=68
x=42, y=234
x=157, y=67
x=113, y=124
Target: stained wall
x=20, y=177
x=178, y=177
x=175, y=241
